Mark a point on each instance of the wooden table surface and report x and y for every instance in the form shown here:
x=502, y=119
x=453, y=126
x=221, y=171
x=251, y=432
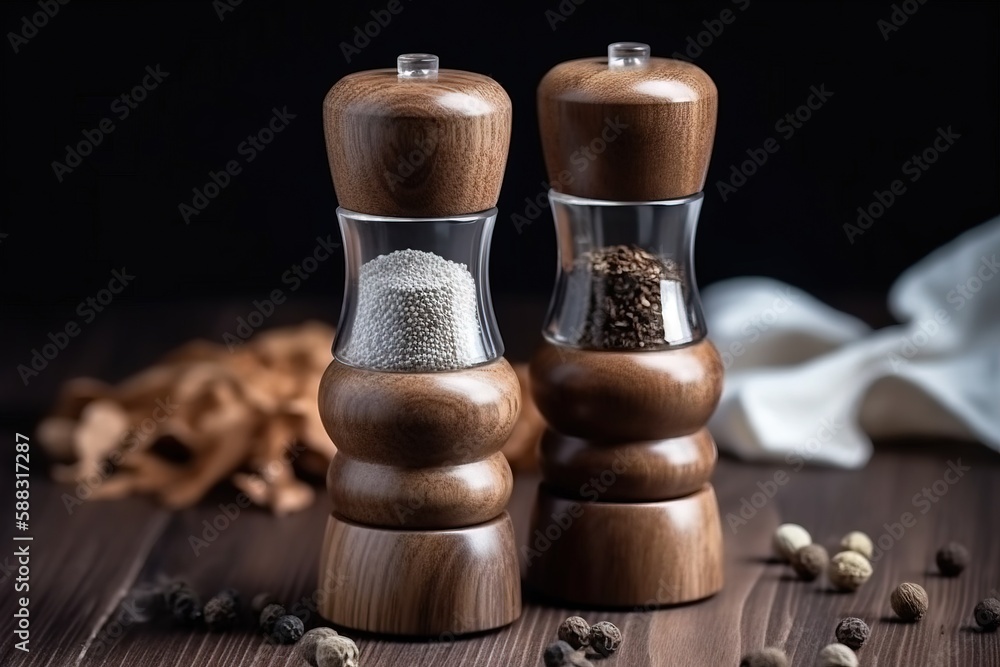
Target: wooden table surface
x=83, y=564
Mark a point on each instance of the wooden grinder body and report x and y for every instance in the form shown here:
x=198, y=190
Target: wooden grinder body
x=419, y=542
x=627, y=458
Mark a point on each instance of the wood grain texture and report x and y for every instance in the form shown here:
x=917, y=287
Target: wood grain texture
x=628, y=426
x=652, y=395
x=420, y=420
x=440, y=497
x=429, y=583
x=649, y=470
x=84, y=563
x=608, y=555
x=644, y=133
x=419, y=484
x=417, y=147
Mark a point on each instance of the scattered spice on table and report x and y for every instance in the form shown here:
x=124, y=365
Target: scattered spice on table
x=951, y=559
x=561, y=654
x=987, y=614
x=269, y=616
x=810, y=561
x=605, y=638
x=836, y=655
x=909, y=601
x=859, y=542
x=789, y=538
x=222, y=612
x=337, y=651
x=306, y=647
x=184, y=604
x=287, y=629
x=852, y=632
x=848, y=571
x=575, y=631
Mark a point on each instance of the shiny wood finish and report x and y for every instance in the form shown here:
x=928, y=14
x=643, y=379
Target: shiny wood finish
x=85, y=565
x=626, y=396
x=627, y=440
x=652, y=470
x=626, y=555
x=627, y=134
x=418, y=542
x=417, y=147
x=441, y=497
x=432, y=583
x=419, y=420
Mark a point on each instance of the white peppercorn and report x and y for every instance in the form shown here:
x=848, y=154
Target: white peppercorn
x=849, y=570
x=909, y=601
x=416, y=311
x=836, y=655
x=789, y=538
x=859, y=542
x=338, y=651
x=306, y=647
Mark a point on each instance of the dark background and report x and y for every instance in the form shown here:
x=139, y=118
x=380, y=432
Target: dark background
x=120, y=207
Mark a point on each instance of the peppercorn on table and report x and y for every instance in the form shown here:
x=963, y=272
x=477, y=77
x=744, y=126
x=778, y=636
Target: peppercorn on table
x=912, y=498
x=84, y=560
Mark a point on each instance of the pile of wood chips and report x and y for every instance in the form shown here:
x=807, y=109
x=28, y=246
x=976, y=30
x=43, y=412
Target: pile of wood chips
x=204, y=414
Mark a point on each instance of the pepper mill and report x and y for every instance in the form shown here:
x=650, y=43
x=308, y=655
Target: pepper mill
x=625, y=378
x=418, y=398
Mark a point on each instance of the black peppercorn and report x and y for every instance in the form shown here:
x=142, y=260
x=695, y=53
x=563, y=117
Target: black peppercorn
x=575, y=631
x=605, y=638
x=269, y=615
x=183, y=603
x=852, y=632
x=287, y=629
x=988, y=614
x=952, y=559
x=222, y=611
x=766, y=657
x=561, y=654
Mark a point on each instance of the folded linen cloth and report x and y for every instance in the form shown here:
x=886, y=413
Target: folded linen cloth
x=808, y=384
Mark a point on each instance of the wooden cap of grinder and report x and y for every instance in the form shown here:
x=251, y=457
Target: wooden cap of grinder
x=627, y=127
x=417, y=141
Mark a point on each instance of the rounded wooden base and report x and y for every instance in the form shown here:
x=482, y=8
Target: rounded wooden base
x=631, y=555
x=430, y=583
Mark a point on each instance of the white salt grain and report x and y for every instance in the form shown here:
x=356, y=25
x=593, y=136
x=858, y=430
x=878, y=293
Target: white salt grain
x=416, y=311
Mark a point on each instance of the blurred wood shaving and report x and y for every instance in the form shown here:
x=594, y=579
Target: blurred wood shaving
x=248, y=416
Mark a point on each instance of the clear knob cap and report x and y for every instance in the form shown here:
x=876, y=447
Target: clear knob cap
x=627, y=54
x=417, y=66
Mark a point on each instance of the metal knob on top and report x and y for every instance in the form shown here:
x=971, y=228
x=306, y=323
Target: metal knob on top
x=628, y=126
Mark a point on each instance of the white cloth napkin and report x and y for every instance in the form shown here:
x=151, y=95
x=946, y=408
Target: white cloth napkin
x=808, y=384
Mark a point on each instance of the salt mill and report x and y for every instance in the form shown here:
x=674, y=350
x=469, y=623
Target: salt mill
x=625, y=377
x=419, y=398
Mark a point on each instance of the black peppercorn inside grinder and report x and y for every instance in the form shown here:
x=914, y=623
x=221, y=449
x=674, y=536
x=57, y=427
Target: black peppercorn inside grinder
x=625, y=377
